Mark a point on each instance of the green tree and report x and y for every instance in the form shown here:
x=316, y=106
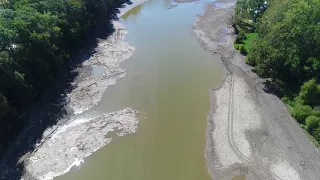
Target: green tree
x=312, y=123
x=4, y=107
x=301, y=112
x=36, y=38
x=288, y=47
x=310, y=93
x=316, y=112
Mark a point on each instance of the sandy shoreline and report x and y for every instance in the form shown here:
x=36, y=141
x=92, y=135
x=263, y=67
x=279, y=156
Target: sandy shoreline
x=249, y=132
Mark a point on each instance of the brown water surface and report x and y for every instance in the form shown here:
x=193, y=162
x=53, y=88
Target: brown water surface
x=241, y=177
x=168, y=80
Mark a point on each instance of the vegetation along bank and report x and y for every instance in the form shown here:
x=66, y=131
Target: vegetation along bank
x=37, y=39
x=282, y=42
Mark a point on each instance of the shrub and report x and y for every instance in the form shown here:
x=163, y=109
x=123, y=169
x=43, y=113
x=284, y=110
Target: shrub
x=285, y=100
x=298, y=100
x=312, y=123
x=301, y=112
x=310, y=93
x=3, y=106
x=251, y=61
x=316, y=134
x=236, y=46
x=240, y=37
x=238, y=40
x=242, y=49
x=315, y=113
x=242, y=34
x=247, y=61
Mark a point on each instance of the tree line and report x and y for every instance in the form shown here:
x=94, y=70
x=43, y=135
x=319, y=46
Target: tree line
x=37, y=38
x=286, y=50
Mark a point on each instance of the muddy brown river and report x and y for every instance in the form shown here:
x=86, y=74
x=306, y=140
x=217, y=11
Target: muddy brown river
x=168, y=81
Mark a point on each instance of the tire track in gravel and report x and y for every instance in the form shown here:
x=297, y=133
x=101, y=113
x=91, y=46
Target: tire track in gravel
x=230, y=122
x=255, y=167
x=231, y=141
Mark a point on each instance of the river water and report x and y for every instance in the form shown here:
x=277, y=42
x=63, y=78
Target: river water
x=168, y=81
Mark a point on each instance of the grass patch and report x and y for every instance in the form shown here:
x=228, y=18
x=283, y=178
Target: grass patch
x=250, y=37
x=243, y=42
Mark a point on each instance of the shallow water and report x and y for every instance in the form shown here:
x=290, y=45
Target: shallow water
x=241, y=177
x=168, y=81
x=98, y=70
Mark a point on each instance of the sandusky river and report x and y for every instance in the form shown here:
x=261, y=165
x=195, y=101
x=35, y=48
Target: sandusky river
x=168, y=81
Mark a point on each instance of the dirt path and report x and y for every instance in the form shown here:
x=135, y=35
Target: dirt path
x=249, y=132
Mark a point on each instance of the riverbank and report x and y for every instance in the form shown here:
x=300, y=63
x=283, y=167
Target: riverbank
x=250, y=134
x=54, y=154
x=57, y=154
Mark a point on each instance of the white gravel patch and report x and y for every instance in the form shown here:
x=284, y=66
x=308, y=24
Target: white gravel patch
x=284, y=171
x=231, y=145
x=246, y=116
x=109, y=55
x=76, y=140
x=226, y=155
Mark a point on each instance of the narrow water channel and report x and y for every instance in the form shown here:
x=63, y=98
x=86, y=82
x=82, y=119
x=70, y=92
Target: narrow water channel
x=168, y=81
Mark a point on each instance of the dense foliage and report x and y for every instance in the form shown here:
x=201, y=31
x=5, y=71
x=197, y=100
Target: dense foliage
x=37, y=38
x=287, y=50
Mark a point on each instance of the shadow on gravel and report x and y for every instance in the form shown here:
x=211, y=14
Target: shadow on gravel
x=51, y=107
x=271, y=88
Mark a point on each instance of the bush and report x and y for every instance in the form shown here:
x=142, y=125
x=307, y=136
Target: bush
x=238, y=40
x=242, y=49
x=312, y=123
x=315, y=113
x=316, y=134
x=310, y=93
x=243, y=43
x=240, y=37
x=298, y=100
x=301, y=112
x=285, y=100
x=242, y=34
x=250, y=61
x=3, y=106
x=236, y=46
